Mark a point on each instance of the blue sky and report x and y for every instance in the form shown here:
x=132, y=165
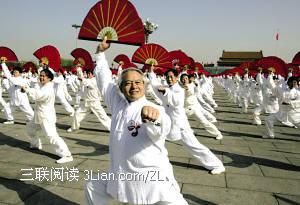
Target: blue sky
x=201, y=28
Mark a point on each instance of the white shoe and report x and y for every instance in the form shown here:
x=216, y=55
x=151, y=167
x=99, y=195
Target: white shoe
x=72, y=114
x=216, y=171
x=9, y=122
x=213, y=121
x=219, y=137
x=64, y=160
x=76, y=105
x=70, y=130
x=37, y=148
x=267, y=137
x=216, y=106
x=2, y=110
x=213, y=111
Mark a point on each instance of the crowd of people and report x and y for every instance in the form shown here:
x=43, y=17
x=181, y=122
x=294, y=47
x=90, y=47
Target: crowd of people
x=139, y=128
x=271, y=93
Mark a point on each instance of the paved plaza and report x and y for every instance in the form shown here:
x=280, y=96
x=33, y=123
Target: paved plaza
x=258, y=171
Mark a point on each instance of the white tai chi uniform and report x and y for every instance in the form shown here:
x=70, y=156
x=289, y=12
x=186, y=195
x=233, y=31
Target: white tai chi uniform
x=81, y=91
x=69, y=82
x=92, y=103
x=193, y=108
x=59, y=91
x=2, y=102
x=244, y=93
x=173, y=102
x=204, y=85
x=269, y=103
x=17, y=98
x=287, y=113
x=45, y=118
x=150, y=91
x=139, y=150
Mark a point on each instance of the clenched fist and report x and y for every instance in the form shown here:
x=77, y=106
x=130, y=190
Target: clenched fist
x=149, y=114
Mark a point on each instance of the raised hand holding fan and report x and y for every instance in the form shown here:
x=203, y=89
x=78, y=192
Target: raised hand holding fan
x=84, y=57
x=49, y=55
x=178, y=57
x=152, y=54
x=29, y=66
x=7, y=54
x=116, y=19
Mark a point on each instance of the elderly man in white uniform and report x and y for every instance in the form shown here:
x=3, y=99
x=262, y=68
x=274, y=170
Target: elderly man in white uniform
x=17, y=99
x=173, y=97
x=45, y=118
x=92, y=103
x=289, y=106
x=139, y=128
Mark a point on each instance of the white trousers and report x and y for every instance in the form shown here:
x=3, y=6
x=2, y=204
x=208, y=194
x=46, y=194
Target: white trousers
x=1, y=99
x=95, y=193
x=49, y=130
x=68, y=96
x=245, y=103
x=209, y=99
x=25, y=108
x=204, y=104
x=199, y=117
x=256, y=112
x=270, y=120
x=199, y=151
x=71, y=87
x=83, y=111
x=78, y=97
x=64, y=103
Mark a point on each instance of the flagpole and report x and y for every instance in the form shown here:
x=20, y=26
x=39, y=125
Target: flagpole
x=277, y=43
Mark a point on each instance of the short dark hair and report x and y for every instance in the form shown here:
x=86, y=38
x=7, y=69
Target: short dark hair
x=192, y=76
x=18, y=69
x=292, y=79
x=48, y=73
x=183, y=76
x=60, y=71
x=89, y=71
x=174, y=71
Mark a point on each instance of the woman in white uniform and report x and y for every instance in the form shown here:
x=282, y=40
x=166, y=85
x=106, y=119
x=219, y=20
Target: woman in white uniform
x=45, y=118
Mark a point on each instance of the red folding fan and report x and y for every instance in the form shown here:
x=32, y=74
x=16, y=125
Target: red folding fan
x=152, y=54
x=49, y=55
x=179, y=58
x=83, y=57
x=267, y=63
x=129, y=65
x=146, y=68
x=7, y=54
x=116, y=19
x=247, y=65
x=122, y=59
x=296, y=59
x=192, y=65
x=113, y=71
x=198, y=66
x=29, y=66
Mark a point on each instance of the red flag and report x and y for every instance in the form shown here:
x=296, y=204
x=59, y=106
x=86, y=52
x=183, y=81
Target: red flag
x=277, y=36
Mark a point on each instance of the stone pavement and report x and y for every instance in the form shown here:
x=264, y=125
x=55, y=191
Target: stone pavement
x=258, y=171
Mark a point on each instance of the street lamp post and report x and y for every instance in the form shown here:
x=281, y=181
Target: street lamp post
x=148, y=27
x=76, y=26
